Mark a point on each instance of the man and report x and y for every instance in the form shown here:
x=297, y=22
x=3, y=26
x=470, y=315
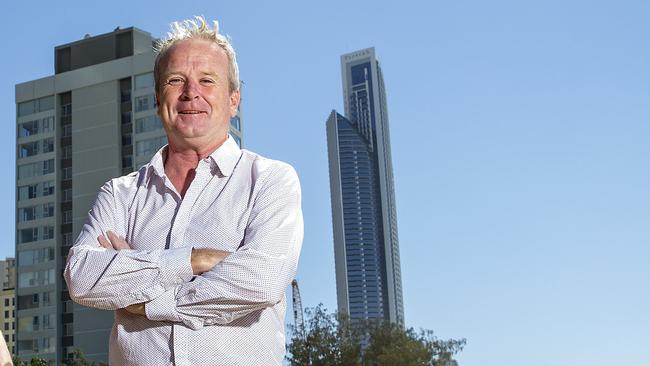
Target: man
x=193, y=251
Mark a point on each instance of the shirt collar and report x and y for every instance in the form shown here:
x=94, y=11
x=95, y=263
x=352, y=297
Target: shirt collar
x=225, y=157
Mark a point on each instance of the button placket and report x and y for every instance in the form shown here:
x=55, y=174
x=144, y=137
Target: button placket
x=183, y=216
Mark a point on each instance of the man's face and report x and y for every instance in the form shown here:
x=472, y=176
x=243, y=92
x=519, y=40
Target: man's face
x=194, y=101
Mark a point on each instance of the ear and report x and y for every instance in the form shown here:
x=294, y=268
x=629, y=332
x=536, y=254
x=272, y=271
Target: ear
x=234, y=102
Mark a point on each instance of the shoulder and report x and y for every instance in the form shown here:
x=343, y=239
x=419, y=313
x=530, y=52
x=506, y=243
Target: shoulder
x=266, y=170
x=126, y=184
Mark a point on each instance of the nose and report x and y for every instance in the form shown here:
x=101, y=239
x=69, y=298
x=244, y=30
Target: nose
x=190, y=90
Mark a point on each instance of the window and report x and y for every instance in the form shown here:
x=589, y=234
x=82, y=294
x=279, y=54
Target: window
x=35, y=256
x=67, y=217
x=150, y=146
x=35, y=169
x=48, y=321
x=27, y=235
x=148, y=123
x=28, y=128
x=67, y=173
x=144, y=102
x=35, y=106
x=28, y=149
x=27, y=301
x=46, y=298
x=36, y=278
x=48, y=209
x=67, y=131
x=48, y=232
x=48, y=145
x=6, y=302
x=48, y=166
x=48, y=188
x=47, y=124
x=66, y=152
x=27, y=214
x=35, y=190
x=6, y=314
x=28, y=345
x=144, y=80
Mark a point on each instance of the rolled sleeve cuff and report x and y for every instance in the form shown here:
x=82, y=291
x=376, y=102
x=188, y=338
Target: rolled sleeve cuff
x=163, y=308
x=175, y=267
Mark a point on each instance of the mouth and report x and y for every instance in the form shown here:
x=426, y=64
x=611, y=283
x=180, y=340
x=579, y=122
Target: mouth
x=190, y=112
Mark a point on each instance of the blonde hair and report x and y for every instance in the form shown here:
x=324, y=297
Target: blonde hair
x=197, y=28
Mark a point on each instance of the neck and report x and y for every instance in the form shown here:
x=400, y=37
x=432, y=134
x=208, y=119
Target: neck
x=181, y=162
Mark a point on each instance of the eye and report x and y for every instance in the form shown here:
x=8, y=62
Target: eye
x=175, y=81
x=207, y=81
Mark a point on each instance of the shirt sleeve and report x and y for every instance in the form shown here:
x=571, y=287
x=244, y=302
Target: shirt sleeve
x=109, y=279
x=253, y=277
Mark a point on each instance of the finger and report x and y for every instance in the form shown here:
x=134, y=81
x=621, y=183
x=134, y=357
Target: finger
x=103, y=242
x=118, y=242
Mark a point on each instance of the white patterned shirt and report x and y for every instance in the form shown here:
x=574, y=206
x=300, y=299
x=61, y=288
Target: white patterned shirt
x=233, y=314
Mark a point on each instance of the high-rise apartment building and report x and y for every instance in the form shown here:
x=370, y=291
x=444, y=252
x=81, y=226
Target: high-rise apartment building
x=8, y=302
x=366, y=248
x=93, y=120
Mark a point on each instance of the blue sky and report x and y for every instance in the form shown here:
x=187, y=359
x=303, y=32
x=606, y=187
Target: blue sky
x=520, y=146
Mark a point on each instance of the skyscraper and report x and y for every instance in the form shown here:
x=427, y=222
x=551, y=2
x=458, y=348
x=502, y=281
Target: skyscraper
x=93, y=120
x=366, y=247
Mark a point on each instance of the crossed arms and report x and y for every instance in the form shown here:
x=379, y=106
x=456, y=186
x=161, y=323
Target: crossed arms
x=197, y=287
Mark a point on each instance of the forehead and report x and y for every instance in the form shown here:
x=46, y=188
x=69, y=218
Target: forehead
x=194, y=52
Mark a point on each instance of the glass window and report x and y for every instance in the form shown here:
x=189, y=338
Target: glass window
x=46, y=103
x=27, y=170
x=48, y=145
x=144, y=80
x=27, y=235
x=48, y=232
x=27, y=345
x=48, y=166
x=144, y=102
x=27, y=214
x=150, y=146
x=27, y=301
x=46, y=298
x=26, y=108
x=28, y=149
x=28, y=128
x=36, y=105
x=148, y=123
x=47, y=124
x=66, y=110
x=48, y=209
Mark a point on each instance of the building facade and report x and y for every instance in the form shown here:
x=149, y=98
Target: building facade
x=93, y=120
x=8, y=302
x=364, y=218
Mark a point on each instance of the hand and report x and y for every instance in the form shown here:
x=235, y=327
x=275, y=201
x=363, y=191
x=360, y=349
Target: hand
x=203, y=259
x=137, y=309
x=116, y=242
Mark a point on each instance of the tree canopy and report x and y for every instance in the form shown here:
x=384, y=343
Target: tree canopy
x=336, y=340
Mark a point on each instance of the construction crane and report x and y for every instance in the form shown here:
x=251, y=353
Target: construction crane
x=298, y=320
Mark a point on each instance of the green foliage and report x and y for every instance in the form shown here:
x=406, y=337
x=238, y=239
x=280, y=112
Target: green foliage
x=78, y=359
x=333, y=339
x=34, y=362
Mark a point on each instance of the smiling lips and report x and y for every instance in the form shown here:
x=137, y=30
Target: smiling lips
x=190, y=112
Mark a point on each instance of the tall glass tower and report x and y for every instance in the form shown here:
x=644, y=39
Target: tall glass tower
x=366, y=246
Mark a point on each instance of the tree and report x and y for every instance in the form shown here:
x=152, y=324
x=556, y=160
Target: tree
x=78, y=359
x=334, y=339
